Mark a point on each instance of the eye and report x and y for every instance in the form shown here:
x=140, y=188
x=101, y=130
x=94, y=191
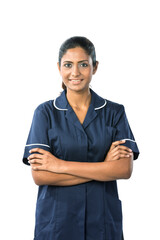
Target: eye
x=84, y=65
x=68, y=65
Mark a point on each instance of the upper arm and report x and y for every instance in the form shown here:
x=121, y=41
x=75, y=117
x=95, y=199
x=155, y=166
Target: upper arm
x=38, y=134
x=124, y=132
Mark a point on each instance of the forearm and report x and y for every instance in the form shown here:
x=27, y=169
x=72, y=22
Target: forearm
x=100, y=171
x=53, y=171
x=57, y=179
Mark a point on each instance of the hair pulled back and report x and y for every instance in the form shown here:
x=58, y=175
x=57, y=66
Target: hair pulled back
x=74, y=42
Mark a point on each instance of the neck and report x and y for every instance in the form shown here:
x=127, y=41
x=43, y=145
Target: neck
x=79, y=99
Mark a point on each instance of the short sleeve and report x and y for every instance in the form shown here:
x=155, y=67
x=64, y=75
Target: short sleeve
x=38, y=134
x=124, y=132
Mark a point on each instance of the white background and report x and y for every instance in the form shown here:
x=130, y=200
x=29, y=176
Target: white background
x=126, y=35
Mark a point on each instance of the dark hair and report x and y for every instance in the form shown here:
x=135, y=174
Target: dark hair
x=74, y=42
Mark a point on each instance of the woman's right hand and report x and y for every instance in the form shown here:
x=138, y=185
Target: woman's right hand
x=118, y=151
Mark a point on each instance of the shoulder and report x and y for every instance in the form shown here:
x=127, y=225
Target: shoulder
x=114, y=112
x=100, y=102
x=45, y=107
x=114, y=106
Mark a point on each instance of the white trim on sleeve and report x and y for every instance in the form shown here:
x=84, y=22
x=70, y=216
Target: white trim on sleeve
x=37, y=144
x=127, y=139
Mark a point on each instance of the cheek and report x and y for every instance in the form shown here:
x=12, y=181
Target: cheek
x=64, y=74
x=89, y=74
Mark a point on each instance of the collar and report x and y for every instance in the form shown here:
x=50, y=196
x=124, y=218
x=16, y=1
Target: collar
x=61, y=103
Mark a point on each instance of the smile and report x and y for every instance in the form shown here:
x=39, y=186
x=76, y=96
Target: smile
x=76, y=80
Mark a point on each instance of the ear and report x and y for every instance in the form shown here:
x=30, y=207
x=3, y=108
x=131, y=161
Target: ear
x=59, y=68
x=95, y=67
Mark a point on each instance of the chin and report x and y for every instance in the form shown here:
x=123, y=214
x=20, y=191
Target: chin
x=79, y=89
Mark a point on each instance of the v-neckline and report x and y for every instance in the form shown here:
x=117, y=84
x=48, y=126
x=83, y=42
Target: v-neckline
x=91, y=100
x=90, y=116
x=84, y=116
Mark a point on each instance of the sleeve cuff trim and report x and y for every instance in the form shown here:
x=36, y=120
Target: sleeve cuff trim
x=37, y=144
x=127, y=139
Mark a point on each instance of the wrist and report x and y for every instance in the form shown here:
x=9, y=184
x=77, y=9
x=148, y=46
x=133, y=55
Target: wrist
x=62, y=166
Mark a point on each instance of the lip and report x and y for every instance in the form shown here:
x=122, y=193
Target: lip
x=75, y=79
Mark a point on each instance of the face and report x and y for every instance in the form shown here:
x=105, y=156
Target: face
x=77, y=69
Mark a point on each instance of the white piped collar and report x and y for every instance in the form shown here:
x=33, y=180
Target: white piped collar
x=61, y=102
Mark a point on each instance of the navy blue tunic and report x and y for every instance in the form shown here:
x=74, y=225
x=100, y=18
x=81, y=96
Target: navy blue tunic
x=88, y=211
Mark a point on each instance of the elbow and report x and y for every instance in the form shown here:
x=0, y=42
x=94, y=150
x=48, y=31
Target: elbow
x=42, y=178
x=128, y=169
x=37, y=178
x=37, y=181
x=127, y=174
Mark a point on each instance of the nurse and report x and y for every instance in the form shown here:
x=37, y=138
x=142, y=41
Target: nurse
x=78, y=146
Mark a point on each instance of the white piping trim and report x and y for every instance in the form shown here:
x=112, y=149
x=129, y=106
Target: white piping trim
x=39, y=144
x=64, y=109
x=101, y=106
x=61, y=109
x=127, y=139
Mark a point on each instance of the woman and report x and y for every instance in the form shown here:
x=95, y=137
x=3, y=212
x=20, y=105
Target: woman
x=78, y=146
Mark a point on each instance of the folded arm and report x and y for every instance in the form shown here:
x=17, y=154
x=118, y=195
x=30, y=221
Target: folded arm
x=56, y=179
x=47, y=169
x=118, y=164
x=101, y=171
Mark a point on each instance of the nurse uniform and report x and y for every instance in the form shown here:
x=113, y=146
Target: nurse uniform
x=88, y=211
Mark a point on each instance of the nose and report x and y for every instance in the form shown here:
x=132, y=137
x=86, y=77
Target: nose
x=75, y=71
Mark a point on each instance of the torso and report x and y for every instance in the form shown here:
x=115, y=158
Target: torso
x=60, y=208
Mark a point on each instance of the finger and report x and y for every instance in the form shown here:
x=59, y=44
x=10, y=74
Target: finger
x=119, y=156
x=121, y=152
x=115, y=144
x=33, y=161
x=39, y=150
x=38, y=167
x=120, y=147
x=33, y=156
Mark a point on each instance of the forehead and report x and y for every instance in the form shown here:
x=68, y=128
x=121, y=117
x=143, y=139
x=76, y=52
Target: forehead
x=75, y=54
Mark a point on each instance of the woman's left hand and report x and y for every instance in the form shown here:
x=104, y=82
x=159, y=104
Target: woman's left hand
x=118, y=151
x=42, y=160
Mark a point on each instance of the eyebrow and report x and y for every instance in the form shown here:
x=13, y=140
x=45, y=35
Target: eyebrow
x=78, y=62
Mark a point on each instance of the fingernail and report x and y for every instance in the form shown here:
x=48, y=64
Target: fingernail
x=29, y=151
